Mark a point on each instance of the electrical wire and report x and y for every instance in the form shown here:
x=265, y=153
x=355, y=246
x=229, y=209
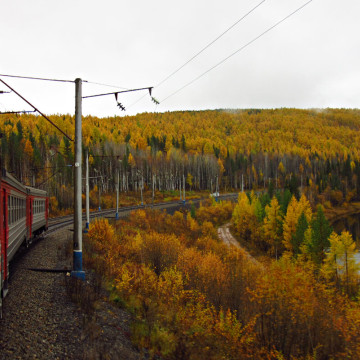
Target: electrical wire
x=17, y=112
x=211, y=43
x=36, y=110
x=113, y=86
x=118, y=92
x=239, y=50
x=202, y=50
x=37, y=78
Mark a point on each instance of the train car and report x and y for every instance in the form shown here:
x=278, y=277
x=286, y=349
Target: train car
x=24, y=215
x=13, y=217
x=37, y=212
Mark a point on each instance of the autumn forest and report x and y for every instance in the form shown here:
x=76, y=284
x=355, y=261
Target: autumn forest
x=291, y=288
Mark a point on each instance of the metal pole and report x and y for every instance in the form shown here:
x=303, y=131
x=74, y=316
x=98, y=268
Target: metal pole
x=184, y=198
x=117, y=195
x=77, y=256
x=99, y=197
x=217, y=188
x=87, y=193
x=153, y=188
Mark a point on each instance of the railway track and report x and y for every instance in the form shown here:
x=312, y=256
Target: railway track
x=60, y=222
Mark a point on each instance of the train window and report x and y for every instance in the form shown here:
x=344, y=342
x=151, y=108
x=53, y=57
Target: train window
x=9, y=209
x=12, y=209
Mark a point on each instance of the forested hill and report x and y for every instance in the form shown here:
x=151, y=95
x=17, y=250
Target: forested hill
x=252, y=145
x=304, y=132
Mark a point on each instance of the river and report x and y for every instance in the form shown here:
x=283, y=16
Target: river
x=352, y=224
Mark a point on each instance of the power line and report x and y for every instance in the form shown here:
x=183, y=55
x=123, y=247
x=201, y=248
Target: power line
x=118, y=92
x=50, y=167
x=237, y=51
x=113, y=86
x=212, y=42
x=202, y=50
x=37, y=78
x=36, y=109
x=17, y=112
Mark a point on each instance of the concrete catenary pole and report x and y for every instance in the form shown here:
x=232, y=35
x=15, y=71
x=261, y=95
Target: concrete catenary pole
x=184, y=197
x=117, y=194
x=153, y=188
x=77, y=255
x=99, y=198
x=141, y=190
x=87, y=193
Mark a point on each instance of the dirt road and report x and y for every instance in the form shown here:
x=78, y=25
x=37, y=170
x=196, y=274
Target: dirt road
x=226, y=236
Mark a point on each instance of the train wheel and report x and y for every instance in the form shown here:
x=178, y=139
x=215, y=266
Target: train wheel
x=27, y=242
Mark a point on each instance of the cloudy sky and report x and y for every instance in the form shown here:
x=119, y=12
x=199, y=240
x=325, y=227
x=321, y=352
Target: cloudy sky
x=312, y=59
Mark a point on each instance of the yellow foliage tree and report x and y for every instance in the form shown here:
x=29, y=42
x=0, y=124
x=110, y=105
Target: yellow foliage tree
x=290, y=221
x=272, y=226
x=340, y=264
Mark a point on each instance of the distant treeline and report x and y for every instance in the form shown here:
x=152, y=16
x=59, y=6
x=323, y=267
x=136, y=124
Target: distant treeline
x=314, y=150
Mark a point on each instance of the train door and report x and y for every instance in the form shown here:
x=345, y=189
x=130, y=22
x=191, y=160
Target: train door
x=46, y=212
x=4, y=239
x=2, y=235
x=31, y=214
x=2, y=231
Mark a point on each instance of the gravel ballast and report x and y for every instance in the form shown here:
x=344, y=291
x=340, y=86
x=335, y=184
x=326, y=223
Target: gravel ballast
x=41, y=322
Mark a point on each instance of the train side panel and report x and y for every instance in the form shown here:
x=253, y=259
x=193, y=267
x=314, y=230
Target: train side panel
x=16, y=221
x=38, y=210
x=13, y=218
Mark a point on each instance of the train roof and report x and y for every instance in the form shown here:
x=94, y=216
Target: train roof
x=35, y=192
x=11, y=180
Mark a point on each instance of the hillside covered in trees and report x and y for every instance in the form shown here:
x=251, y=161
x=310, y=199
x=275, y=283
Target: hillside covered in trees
x=251, y=149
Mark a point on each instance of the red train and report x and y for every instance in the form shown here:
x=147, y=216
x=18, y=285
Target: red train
x=24, y=214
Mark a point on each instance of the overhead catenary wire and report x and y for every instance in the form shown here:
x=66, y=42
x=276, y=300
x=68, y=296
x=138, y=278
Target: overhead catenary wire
x=239, y=50
x=108, y=85
x=202, y=50
x=211, y=43
x=36, y=109
x=38, y=78
x=17, y=112
x=149, y=88
x=51, y=167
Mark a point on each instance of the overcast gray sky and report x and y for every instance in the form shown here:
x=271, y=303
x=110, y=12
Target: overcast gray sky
x=310, y=60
